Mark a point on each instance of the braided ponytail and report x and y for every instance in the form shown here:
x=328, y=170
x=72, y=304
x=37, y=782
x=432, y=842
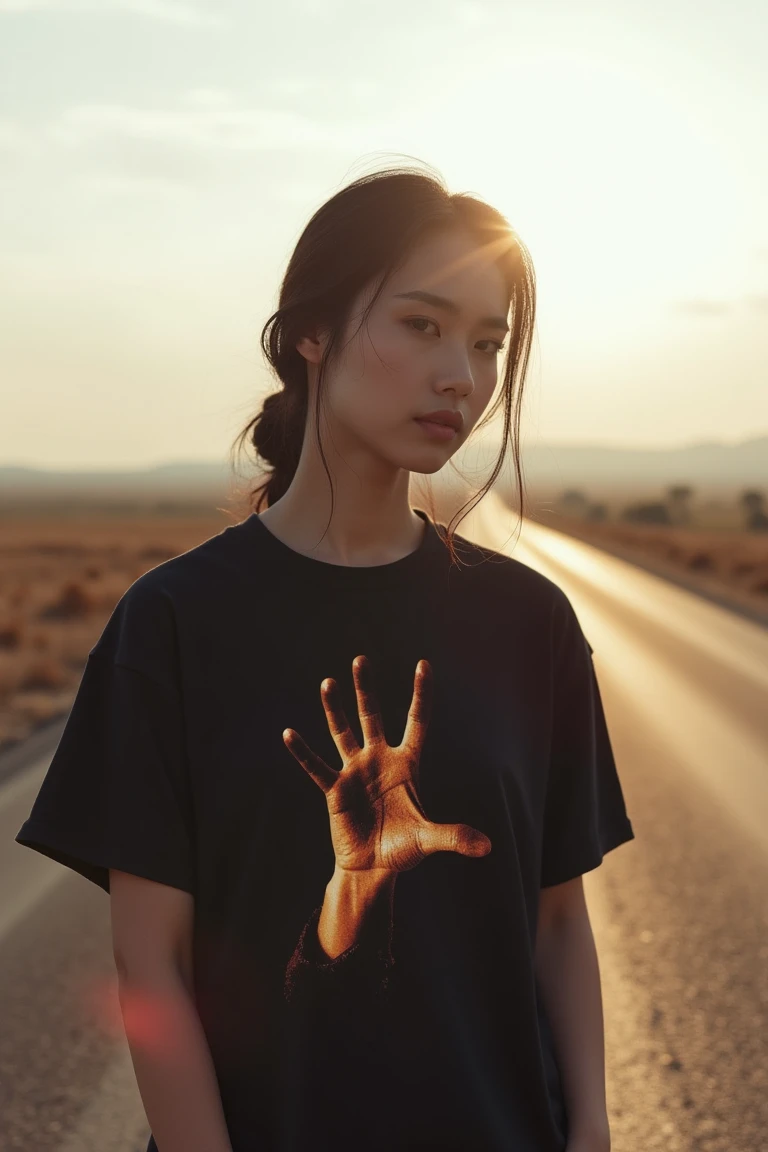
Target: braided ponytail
x=277, y=434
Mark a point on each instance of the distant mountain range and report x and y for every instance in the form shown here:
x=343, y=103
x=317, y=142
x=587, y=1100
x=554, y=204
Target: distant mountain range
x=706, y=465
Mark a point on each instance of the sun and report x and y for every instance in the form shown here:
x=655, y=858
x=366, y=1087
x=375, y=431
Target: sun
x=622, y=195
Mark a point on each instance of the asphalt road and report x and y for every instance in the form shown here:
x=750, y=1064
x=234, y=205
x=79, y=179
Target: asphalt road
x=680, y=914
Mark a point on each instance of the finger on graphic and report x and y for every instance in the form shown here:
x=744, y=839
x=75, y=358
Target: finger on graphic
x=338, y=724
x=420, y=710
x=322, y=774
x=371, y=723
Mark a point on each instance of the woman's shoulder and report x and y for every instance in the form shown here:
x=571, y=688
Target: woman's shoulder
x=229, y=549
x=501, y=591
x=148, y=614
x=498, y=573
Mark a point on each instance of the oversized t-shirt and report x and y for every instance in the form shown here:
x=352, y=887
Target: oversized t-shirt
x=429, y=1030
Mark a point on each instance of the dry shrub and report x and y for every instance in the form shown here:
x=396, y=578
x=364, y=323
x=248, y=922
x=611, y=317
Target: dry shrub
x=155, y=552
x=13, y=728
x=700, y=562
x=9, y=679
x=76, y=661
x=38, y=707
x=11, y=636
x=47, y=549
x=43, y=673
x=105, y=595
x=73, y=602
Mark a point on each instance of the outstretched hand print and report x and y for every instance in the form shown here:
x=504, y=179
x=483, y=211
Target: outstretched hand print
x=377, y=823
x=376, y=817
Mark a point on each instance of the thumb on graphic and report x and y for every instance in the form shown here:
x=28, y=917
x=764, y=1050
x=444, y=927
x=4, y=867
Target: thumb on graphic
x=460, y=838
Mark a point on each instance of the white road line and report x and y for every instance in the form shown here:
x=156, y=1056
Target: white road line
x=25, y=876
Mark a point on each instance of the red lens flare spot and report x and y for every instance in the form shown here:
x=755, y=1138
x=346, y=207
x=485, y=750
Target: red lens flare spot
x=148, y=1019
x=151, y=1021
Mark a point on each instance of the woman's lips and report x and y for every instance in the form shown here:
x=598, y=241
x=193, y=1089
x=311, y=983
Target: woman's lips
x=437, y=431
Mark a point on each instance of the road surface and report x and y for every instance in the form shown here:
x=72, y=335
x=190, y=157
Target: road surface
x=680, y=914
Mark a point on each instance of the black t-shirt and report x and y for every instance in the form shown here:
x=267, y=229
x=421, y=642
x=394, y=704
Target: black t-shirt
x=428, y=1032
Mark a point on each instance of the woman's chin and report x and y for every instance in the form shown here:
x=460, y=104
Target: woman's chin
x=426, y=458
x=426, y=463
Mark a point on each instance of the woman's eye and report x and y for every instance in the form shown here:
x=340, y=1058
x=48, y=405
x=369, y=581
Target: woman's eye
x=496, y=347
x=420, y=320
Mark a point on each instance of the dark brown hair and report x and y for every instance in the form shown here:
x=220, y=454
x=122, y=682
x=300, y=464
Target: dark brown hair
x=364, y=232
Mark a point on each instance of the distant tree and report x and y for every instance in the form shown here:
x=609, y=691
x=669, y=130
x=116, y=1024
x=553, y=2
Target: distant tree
x=753, y=503
x=597, y=512
x=573, y=502
x=752, y=500
x=647, y=513
x=678, y=497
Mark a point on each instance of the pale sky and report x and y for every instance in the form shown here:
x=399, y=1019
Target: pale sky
x=160, y=158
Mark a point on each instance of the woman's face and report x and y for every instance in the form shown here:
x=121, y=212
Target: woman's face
x=415, y=357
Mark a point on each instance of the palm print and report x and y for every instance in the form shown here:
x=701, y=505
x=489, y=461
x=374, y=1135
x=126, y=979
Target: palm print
x=377, y=821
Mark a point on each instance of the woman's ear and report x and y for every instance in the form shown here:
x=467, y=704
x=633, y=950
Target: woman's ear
x=312, y=345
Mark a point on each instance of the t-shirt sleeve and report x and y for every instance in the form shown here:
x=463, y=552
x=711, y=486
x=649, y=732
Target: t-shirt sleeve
x=116, y=793
x=585, y=814
x=362, y=973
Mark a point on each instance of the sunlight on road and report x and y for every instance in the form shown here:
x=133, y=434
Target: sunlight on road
x=676, y=660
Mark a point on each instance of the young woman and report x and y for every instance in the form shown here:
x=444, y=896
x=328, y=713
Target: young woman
x=340, y=769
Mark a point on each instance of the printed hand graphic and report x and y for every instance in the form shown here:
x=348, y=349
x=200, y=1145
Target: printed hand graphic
x=377, y=821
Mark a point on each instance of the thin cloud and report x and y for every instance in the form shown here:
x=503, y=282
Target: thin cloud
x=702, y=307
x=208, y=120
x=215, y=127
x=169, y=11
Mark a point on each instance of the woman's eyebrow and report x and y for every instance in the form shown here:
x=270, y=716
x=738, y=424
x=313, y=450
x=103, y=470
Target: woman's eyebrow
x=450, y=306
